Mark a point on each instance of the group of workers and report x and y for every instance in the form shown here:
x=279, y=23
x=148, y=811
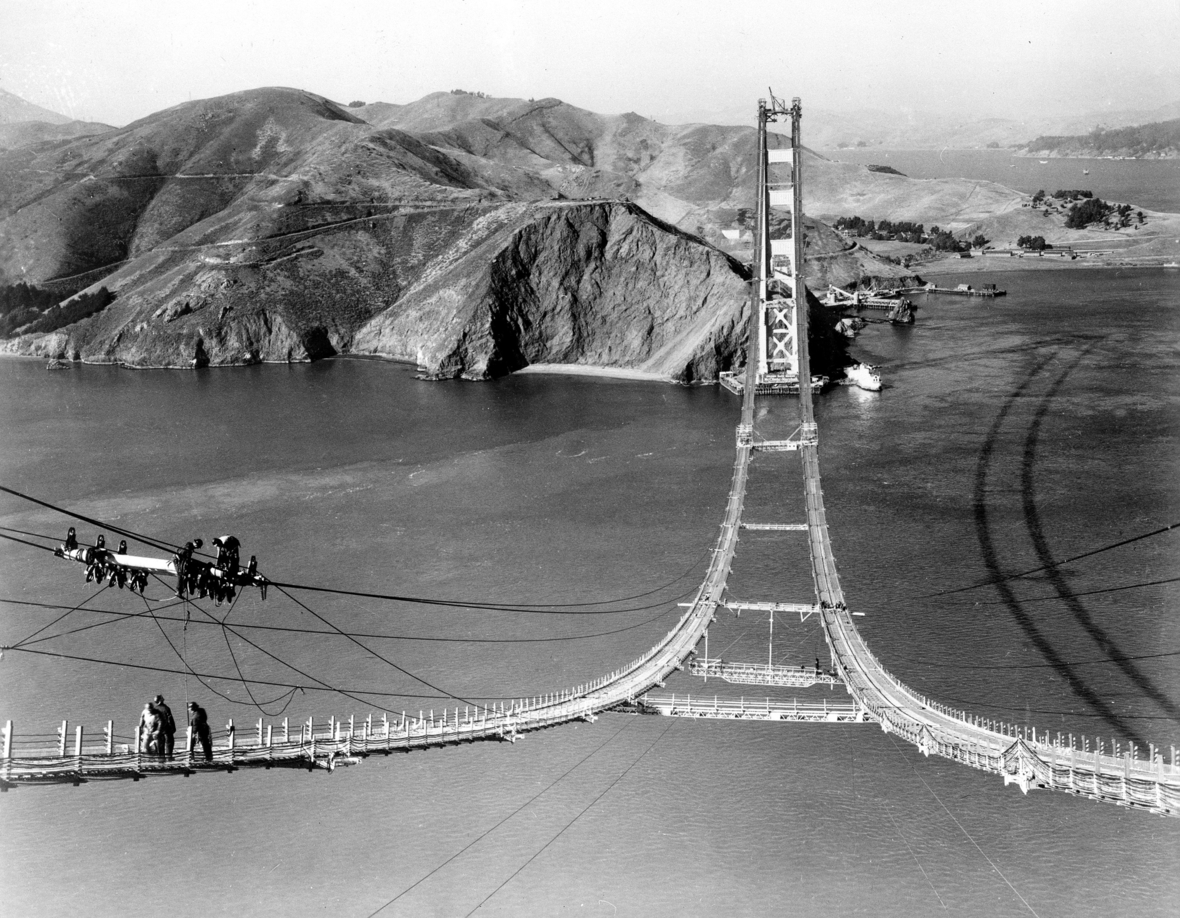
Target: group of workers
x=219, y=579
x=100, y=564
x=194, y=578
x=156, y=734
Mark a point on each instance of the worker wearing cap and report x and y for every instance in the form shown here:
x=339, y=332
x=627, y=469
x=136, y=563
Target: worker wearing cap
x=198, y=722
x=167, y=725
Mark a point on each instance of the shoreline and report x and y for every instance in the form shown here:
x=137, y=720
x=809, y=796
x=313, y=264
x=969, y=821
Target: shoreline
x=582, y=369
x=985, y=264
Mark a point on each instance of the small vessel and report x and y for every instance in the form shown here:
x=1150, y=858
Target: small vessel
x=864, y=376
x=1042, y=161
x=1085, y=172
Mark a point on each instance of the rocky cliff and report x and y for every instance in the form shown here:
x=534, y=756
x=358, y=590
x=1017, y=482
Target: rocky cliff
x=275, y=225
x=598, y=283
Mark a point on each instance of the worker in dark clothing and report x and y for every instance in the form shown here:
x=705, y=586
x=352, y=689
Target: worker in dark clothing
x=181, y=561
x=227, y=553
x=198, y=721
x=167, y=726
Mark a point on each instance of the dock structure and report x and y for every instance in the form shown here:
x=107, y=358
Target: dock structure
x=898, y=309
x=1147, y=779
x=989, y=291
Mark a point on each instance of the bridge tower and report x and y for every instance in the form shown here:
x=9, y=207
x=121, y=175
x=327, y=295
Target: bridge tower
x=778, y=333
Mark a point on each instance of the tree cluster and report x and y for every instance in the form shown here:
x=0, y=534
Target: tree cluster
x=33, y=310
x=1072, y=195
x=464, y=92
x=21, y=304
x=945, y=241
x=902, y=230
x=1091, y=210
x=1033, y=243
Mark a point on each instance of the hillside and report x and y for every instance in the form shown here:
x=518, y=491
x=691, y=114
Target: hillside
x=14, y=109
x=23, y=123
x=27, y=133
x=1158, y=140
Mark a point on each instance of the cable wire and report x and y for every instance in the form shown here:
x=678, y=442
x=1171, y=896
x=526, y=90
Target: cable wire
x=583, y=812
x=1056, y=564
x=593, y=752
x=119, y=616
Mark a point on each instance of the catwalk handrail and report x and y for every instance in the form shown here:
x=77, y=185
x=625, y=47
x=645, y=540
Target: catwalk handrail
x=1017, y=754
x=44, y=762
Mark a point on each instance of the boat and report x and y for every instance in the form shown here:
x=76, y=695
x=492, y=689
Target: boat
x=1085, y=172
x=1042, y=161
x=864, y=376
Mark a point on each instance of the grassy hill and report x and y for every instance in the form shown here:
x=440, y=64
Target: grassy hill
x=481, y=233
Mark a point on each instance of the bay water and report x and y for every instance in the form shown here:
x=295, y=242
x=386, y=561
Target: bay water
x=1012, y=435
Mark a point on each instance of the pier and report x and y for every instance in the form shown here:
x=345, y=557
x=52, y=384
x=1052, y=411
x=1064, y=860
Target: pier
x=987, y=290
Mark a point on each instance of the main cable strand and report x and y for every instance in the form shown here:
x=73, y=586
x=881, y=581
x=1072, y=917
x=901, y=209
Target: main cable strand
x=171, y=548
x=120, y=616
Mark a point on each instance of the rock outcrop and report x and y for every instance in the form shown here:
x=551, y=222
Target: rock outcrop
x=275, y=225
x=601, y=283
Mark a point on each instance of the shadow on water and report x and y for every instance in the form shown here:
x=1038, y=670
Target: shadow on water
x=991, y=562
x=1052, y=571
x=984, y=353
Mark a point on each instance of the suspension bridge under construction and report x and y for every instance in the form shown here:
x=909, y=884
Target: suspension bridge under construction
x=777, y=364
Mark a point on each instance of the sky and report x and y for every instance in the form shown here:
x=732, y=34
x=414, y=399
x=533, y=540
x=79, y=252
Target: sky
x=674, y=61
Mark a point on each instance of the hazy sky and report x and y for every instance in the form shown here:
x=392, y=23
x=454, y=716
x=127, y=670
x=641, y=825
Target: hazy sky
x=119, y=60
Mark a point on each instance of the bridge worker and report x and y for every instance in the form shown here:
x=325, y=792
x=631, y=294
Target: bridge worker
x=817, y=666
x=97, y=570
x=167, y=725
x=227, y=553
x=148, y=734
x=71, y=540
x=198, y=720
x=181, y=560
x=122, y=546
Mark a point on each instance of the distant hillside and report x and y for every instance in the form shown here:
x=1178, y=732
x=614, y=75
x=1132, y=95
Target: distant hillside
x=26, y=133
x=14, y=109
x=23, y=124
x=1158, y=140
x=907, y=128
x=275, y=225
x=474, y=234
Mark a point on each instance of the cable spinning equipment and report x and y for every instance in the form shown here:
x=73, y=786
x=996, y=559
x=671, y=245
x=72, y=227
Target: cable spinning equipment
x=220, y=578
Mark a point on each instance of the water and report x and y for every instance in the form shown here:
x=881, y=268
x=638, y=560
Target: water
x=1151, y=184
x=1038, y=426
